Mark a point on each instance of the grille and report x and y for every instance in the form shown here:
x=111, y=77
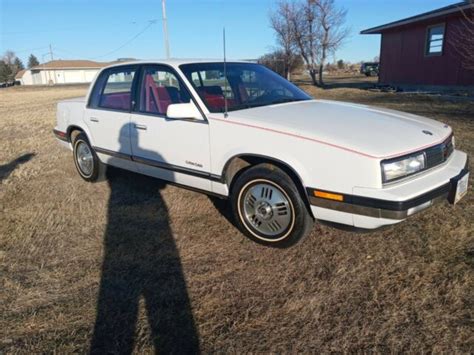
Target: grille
x=439, y=153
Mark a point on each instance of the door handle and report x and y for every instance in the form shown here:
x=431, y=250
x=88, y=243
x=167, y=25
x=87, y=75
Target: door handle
x=140, y=126
x=93, y=119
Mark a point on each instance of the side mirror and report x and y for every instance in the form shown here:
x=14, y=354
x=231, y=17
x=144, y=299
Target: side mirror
x=183, y=111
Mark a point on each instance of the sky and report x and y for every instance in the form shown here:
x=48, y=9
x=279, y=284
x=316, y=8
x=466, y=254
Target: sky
x=104, y=30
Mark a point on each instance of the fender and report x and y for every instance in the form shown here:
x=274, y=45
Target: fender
x=73, y=127
x=290, y=170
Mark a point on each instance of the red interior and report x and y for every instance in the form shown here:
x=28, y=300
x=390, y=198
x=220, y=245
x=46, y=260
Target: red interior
x=214, y=97
x=117, y=100
x=157, y=98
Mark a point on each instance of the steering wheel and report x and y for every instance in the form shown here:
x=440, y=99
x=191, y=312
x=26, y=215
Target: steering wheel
x=272, y=95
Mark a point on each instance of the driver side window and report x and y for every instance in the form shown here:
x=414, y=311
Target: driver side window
x=160, y=88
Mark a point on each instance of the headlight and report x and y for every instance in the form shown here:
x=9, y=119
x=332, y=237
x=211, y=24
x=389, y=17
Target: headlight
x=398, y=168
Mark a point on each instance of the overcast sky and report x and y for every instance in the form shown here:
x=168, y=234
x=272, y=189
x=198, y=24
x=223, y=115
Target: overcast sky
x=104, y=30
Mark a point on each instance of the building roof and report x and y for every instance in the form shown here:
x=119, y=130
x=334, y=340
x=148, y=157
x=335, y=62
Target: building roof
x=464, y=5
x=19, y=75
x=71, y=64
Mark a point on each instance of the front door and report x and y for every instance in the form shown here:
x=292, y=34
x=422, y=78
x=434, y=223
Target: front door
x=108, y=116
x=174, y=150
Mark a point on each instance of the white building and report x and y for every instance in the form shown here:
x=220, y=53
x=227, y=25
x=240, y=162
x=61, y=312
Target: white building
x=60, y=72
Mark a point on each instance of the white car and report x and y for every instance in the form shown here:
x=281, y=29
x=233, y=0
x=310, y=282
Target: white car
x=240, y=131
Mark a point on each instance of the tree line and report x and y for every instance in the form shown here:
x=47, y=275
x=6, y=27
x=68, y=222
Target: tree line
x=10, y=65
x=307, y=32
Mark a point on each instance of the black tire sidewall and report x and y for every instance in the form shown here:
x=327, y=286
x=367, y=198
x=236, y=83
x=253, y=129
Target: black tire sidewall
x=301, y=221
x=82, y=138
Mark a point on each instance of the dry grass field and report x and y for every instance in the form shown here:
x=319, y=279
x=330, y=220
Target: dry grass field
x=132, y=263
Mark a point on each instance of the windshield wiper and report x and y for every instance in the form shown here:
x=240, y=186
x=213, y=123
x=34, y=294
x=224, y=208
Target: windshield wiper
x=244, y=106
x=282, y=101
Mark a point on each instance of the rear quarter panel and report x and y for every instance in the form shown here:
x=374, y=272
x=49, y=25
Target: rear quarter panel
x=71, y=113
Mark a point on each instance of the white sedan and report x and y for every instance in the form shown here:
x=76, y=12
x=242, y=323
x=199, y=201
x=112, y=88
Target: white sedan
x=242, y=132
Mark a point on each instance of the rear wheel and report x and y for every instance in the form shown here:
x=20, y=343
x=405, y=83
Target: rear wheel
x=268, y=207
x=88, y=165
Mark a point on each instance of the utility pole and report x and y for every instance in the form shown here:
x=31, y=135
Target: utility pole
x=165, y=29
x=51, y=52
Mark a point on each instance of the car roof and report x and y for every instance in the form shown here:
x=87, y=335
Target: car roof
x=174, y=62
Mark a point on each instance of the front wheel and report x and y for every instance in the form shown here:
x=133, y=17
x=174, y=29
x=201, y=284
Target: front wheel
x=268, y=207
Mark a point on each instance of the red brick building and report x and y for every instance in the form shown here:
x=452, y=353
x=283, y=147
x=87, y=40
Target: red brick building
x=420, y=50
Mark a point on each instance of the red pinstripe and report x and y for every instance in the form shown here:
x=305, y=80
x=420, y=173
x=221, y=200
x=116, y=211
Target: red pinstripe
x=327, y=143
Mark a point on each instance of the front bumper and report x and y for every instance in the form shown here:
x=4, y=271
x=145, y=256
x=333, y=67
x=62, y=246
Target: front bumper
x=372, y=208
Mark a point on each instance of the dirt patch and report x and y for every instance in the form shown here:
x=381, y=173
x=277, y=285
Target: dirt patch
x=139, y=258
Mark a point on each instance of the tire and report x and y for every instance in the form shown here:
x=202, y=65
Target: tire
x=88, y=165
x=268, y=208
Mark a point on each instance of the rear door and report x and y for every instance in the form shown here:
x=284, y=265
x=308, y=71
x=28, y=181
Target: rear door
x=108, y=115
x=172, y=149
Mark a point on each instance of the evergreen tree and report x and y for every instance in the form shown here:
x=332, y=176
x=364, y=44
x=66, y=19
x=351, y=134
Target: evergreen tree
x=18, y=64
x=32, y=61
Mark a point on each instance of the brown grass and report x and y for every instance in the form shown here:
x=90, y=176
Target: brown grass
x=191, y=275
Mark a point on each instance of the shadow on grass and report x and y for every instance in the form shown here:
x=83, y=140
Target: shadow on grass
x=7, y=169
x=141, y=263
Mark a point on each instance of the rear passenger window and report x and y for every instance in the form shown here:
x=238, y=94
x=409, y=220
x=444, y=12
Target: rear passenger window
x=113, y=90
x=160, y=88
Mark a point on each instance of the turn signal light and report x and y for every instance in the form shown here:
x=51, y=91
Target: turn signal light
x=328, y=195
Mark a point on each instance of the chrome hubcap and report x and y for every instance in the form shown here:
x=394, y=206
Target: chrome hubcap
x=267, y=209
x=84, y=158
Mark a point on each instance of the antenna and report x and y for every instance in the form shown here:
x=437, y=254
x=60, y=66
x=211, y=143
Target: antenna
x=225, y=78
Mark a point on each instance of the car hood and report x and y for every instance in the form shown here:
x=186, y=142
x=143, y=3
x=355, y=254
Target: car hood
x=371, y=131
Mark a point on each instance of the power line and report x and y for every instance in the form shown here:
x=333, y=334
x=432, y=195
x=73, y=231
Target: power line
x=67, y=29
x=150, y=23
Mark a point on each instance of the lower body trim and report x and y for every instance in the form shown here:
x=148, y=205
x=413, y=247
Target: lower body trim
x=373, y=211
x=396, y=210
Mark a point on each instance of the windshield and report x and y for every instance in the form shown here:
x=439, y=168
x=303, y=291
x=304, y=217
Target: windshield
x=246, y=85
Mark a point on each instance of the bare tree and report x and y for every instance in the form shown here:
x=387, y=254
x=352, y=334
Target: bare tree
x=278, y=62
x=317, y=29
x=333, y=32
x=280, y=22
x=306, y=33
x=9, y=57
x=463, y=38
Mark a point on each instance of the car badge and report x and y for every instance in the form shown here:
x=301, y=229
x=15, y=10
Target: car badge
x=427, y=132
